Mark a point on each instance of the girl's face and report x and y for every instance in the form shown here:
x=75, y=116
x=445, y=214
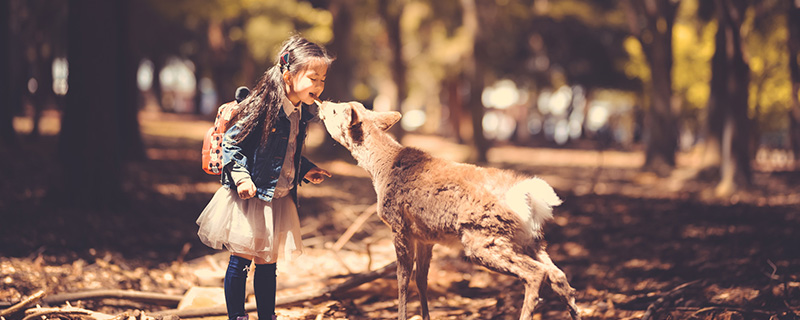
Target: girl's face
x=306, y=84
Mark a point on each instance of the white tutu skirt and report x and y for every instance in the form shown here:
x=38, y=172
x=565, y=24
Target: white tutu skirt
x=252, y=227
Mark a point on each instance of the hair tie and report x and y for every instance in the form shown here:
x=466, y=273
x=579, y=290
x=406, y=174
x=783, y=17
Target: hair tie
x=285, y=60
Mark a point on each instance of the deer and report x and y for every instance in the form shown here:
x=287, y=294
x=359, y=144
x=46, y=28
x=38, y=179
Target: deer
x=496, y=215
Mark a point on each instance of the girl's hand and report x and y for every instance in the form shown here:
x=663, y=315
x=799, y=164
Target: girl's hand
x=246, y=189
x=317, y=175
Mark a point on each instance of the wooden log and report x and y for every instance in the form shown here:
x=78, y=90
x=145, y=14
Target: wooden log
x=146, y=297
x=323, y=293
x=40, y=312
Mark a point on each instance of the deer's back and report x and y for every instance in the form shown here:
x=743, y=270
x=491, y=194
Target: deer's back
x=435, y=199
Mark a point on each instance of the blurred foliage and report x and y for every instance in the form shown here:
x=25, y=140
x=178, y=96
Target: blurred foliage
x=770, y=84
x=765, y=37
x=538, y=44
x=266, y=23
x=693, y=47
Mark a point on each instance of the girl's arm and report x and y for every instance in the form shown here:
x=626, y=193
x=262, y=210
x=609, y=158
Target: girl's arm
x=244, y=183
x=305, y=166
x=235, y=162
x=311, y=173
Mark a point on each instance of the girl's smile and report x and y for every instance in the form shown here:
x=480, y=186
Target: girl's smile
x=307, y=84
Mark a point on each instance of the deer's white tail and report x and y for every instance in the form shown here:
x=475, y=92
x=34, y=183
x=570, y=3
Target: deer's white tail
x=533, y=201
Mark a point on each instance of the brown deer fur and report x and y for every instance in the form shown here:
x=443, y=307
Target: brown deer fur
x=496, y=215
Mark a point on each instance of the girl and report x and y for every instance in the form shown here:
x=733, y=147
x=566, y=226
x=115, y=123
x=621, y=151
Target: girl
x=254, y=213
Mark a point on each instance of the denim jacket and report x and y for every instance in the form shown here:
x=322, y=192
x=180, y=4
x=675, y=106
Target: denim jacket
x=265, y=163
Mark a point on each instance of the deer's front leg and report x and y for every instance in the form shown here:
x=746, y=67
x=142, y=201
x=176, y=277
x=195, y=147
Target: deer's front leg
x=423, y=257
x=405, y=261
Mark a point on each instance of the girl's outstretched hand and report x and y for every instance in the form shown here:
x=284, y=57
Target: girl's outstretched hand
x=317, y=175
x=246, y=189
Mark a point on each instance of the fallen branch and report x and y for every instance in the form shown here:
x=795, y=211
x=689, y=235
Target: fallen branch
x=669, y=295
x=324, y=293
x=351, y=230
x=22, y=304
x=722, y=308
x=148, y=297
x=39, y=312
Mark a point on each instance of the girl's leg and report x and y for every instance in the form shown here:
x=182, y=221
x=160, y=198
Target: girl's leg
x=265, y=284
x=235, y=281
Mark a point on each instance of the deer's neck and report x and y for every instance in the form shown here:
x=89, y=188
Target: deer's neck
x=377, y=153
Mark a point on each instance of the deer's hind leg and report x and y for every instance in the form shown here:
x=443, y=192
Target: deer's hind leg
x=559, y=284
x=499, y=254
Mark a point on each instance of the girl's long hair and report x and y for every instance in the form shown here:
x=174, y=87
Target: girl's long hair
x=261, y=108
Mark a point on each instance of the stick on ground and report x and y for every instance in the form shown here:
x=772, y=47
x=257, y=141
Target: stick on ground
x=22, y=304
x=147, y=297
x=324, y=293
x=653, y=307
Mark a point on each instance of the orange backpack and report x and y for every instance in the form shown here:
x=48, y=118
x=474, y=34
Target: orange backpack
x=212, y=142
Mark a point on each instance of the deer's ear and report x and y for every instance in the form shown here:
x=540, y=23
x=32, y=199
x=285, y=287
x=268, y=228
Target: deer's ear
x=354, y=119
x=385, y=120
x=355, y=130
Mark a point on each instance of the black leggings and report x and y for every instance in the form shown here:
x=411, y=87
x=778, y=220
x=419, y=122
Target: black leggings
x=264, y=283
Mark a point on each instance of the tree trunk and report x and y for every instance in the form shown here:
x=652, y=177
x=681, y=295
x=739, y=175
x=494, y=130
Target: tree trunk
x=661, y=129
x=338, y=86
x=391, y=13
x=95, y=126
x=7, y=134
x=474, y=72
x=128, y=65
x=728, y=119
x=794, y=69
x=454, y=107
x=660, y=123
x=717, y=100
x=44, y=95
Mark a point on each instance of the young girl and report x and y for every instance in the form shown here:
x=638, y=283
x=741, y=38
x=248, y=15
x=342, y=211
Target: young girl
x=254, y=213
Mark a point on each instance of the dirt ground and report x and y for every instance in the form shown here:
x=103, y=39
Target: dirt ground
x=624, y=238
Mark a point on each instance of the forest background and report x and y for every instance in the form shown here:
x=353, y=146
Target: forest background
x=622, y=104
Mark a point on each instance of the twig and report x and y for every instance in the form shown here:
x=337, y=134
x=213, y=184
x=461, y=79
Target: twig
x=697, y=311
x=772, y=276
x=655, y=305
x=148, y=297
x=38, y=312
x=341, y=261
x=22, y=304
x=353, y=228
x=324, y=293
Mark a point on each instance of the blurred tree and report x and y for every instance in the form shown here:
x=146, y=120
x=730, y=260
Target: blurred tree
x=693, y=48
x=391, y=12
x=18, y=72
x=765, y=38
x=793, y=20
x=42, y=29
x=475, y=71
x=651, y=21
x=157, y=38
x=235, y=41
x=727, y=120
x=339, y=85
x=7, y=134
x=99, y=124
